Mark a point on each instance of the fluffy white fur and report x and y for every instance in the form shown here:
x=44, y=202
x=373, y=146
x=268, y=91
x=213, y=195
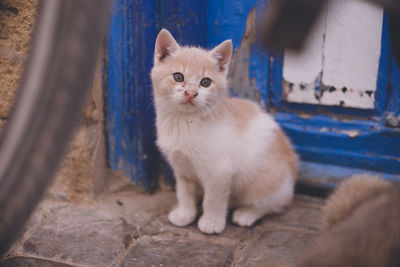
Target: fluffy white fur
x=227, y=148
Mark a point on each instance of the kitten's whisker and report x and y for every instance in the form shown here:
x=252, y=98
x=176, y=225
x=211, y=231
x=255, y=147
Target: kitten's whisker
x=149, y=106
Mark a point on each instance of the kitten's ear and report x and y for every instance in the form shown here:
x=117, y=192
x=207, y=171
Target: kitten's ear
x=165, y=46
x=223, y=53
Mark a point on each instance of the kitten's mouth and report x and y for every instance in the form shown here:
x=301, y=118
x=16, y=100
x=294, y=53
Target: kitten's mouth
x=188, y=102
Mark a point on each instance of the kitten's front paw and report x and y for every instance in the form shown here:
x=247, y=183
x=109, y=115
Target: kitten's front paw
x=244, y=217
x=181, y=217
x=211, y=225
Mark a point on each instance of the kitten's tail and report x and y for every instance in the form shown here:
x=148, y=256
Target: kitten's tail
x=350, y=194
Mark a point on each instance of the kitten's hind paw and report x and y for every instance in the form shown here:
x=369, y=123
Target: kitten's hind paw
x=181, y=217
x=245, y=217
x=211, y=225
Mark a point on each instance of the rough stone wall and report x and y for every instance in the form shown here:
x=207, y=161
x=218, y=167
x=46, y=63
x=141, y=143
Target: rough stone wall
x=16, y=23
x=81, y=173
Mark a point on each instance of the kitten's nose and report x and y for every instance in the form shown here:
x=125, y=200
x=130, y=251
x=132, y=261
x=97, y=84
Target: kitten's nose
x=190, y=94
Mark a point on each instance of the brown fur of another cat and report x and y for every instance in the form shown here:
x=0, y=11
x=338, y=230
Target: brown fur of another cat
x=363, y=218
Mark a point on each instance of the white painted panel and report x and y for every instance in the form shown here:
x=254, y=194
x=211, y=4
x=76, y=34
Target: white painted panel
x=342, y=52
x=300, y=93
x=352, y=45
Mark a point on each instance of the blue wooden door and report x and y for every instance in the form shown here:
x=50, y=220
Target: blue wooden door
x=338, y=134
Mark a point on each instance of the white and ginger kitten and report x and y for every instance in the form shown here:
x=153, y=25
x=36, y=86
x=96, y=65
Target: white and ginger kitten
x=227, y=148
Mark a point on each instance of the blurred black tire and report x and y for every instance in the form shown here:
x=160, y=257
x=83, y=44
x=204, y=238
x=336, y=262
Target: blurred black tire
x=66, y=44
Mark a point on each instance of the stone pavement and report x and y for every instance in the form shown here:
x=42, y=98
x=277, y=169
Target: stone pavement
x=130, y=228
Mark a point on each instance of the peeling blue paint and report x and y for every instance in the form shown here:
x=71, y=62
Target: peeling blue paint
x=227, y=20
x=259, y=70
x=381, y=95
x=259, y=58
x=275, y=79
x=186, y=20
x=129, y=106
x=394, y=101
x=326, y=140
x=331, y=175
x=130, y=116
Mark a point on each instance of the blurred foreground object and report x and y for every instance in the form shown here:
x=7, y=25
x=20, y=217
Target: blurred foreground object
x=287, y=23
x=66, y=44
x=361, y=225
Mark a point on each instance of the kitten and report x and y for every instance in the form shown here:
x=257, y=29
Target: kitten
x=361, y=224
x=228, y=148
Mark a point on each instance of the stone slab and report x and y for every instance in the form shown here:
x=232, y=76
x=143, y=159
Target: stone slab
x=82, y=236
x=31, y=262
x=177, y=252
x=295, y=216
x=275, y=248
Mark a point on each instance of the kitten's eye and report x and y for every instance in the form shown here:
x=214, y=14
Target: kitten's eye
x=178, y=77
x=205, y=82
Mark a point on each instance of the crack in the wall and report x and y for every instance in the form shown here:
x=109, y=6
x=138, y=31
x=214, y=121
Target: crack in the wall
x=323, y=44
